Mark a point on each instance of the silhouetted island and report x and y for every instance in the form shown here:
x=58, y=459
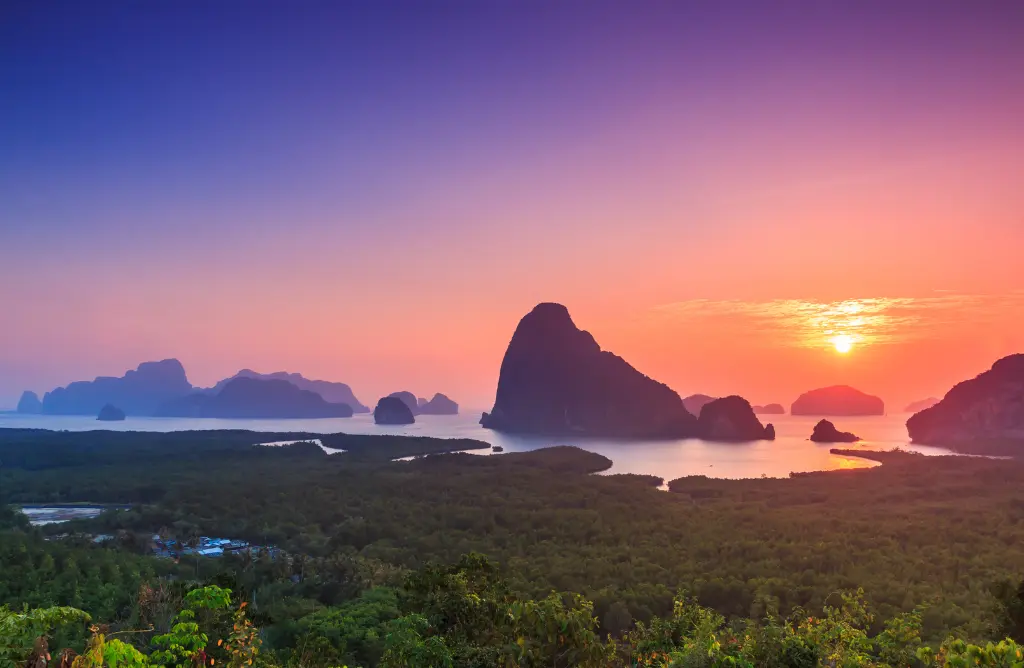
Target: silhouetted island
x=986, y=412
x=770, y=409
x=556, y=380
x=695, y=402
x=249, y=398
x=110, y=413
x=731, y=419
x=409, y=399
x=439, y=404
x=392, y=410
x=826, y=432
x=30, y=403
x=837, y=400
x=335, y=393
x=138, y=392
x=918, y=406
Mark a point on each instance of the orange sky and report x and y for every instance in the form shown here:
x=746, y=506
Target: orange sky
x=704, y=296
x=699, y=295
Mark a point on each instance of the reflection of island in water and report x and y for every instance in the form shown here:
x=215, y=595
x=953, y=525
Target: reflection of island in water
x=40, y=515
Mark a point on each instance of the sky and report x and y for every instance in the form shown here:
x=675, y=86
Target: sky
x=376, y=192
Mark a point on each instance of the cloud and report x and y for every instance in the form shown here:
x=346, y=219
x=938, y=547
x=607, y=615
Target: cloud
x=869, y=321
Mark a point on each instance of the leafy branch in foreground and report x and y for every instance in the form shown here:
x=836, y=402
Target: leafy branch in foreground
x=466, y=616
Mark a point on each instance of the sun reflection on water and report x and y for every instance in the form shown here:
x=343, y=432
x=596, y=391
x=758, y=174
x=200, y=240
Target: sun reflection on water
x=840, y=462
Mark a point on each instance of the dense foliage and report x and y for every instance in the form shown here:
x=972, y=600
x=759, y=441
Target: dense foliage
x=465, y=616
x=936, y=531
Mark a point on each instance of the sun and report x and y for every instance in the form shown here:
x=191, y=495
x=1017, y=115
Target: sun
x=843, y=343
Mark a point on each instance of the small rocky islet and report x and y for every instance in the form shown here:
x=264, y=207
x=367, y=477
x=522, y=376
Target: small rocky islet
x=391, y=410
x=30, y=403
x=826, y=432
x=732, y=419
x=110, y=413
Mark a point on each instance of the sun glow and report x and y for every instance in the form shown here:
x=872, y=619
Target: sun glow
x=843, y=343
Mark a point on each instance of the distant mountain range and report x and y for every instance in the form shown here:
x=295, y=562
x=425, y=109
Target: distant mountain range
x=162, y=389
x=335, y=393
x=438, y=405
x=138, y=392
x=918, y=406
x=251, y=398
x=695, y=402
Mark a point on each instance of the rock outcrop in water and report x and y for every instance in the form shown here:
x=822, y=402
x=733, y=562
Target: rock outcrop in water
x=335, y=393
x=695, y=402
x=556, y=380
x=251, y=398
x=409, y=399
x=731, y=419
x=392, y=410
x=837, y=400
x=110, y=413
x=918, y=406
x=770, y=409
x=988, y=409
x=29, y=403
x=826, y=432
x=138, y=392
x=439, y=404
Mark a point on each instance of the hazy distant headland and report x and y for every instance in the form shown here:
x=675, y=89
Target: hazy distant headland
x=162, y=389
x=695, y=402
x=244, y=397
x=138, y=392
x=918, y=406
x=439, y=404
x=407, y=398
x=335, y=393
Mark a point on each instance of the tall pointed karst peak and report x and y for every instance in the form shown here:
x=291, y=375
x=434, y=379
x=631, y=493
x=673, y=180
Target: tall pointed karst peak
x=555, y=379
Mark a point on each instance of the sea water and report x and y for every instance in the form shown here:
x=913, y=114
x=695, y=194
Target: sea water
x=791, y=451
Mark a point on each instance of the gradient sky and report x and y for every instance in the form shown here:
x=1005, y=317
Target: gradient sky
x=376, y=192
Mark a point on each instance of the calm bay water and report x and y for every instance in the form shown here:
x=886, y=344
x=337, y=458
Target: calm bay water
x=791, y=451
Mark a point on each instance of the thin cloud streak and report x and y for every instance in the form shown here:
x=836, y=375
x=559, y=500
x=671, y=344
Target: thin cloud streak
x=869, y=321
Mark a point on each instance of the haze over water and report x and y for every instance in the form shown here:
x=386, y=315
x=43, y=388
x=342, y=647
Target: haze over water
x=791, y=451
